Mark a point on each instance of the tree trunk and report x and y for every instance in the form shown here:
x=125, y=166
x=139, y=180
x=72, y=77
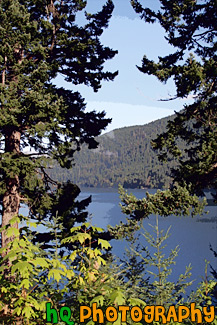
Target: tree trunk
x=11, y=199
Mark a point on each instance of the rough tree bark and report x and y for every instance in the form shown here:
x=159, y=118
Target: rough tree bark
x=11, y=199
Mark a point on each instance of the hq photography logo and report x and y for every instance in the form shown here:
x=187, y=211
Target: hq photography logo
x=136, y=314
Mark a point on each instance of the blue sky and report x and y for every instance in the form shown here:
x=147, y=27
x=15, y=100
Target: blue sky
x=133, y=97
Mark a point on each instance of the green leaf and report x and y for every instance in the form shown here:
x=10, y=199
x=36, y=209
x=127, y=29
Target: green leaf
x=99, y=300
x=104, y=243
x=56, y=274
x=12, y=232
x=117, y=297
x=25, y=284
x=136, y=302
x=39, y=261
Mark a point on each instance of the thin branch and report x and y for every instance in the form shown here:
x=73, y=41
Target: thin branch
x=4, y=71
x=55, y=29
x=204, y=33
x=167, y=99
x=35, y=154
x=48, y=178
x=23, y=198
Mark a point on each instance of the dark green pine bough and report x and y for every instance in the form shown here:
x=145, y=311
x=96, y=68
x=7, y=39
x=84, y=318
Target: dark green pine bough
x=40, y=39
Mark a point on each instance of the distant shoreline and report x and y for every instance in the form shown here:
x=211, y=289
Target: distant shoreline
x=210, y=202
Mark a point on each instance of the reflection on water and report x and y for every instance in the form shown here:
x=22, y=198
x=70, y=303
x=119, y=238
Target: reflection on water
x=193, y=235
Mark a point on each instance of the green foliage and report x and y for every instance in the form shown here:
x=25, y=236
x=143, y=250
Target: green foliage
x=20, y=271
x=29, y=278
x=176, y=201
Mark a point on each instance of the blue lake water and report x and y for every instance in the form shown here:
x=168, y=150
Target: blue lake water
x=193, y=235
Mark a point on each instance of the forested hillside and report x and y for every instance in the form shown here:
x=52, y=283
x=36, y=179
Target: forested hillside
x=124, y=156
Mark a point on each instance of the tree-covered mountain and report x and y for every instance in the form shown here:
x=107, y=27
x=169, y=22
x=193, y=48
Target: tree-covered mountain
x=124, y=156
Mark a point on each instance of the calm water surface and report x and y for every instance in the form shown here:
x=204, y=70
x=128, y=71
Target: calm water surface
x=194, y=236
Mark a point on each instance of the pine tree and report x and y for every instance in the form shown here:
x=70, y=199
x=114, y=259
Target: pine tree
x=191, y=28
x=38, y=120
x=158, y=290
